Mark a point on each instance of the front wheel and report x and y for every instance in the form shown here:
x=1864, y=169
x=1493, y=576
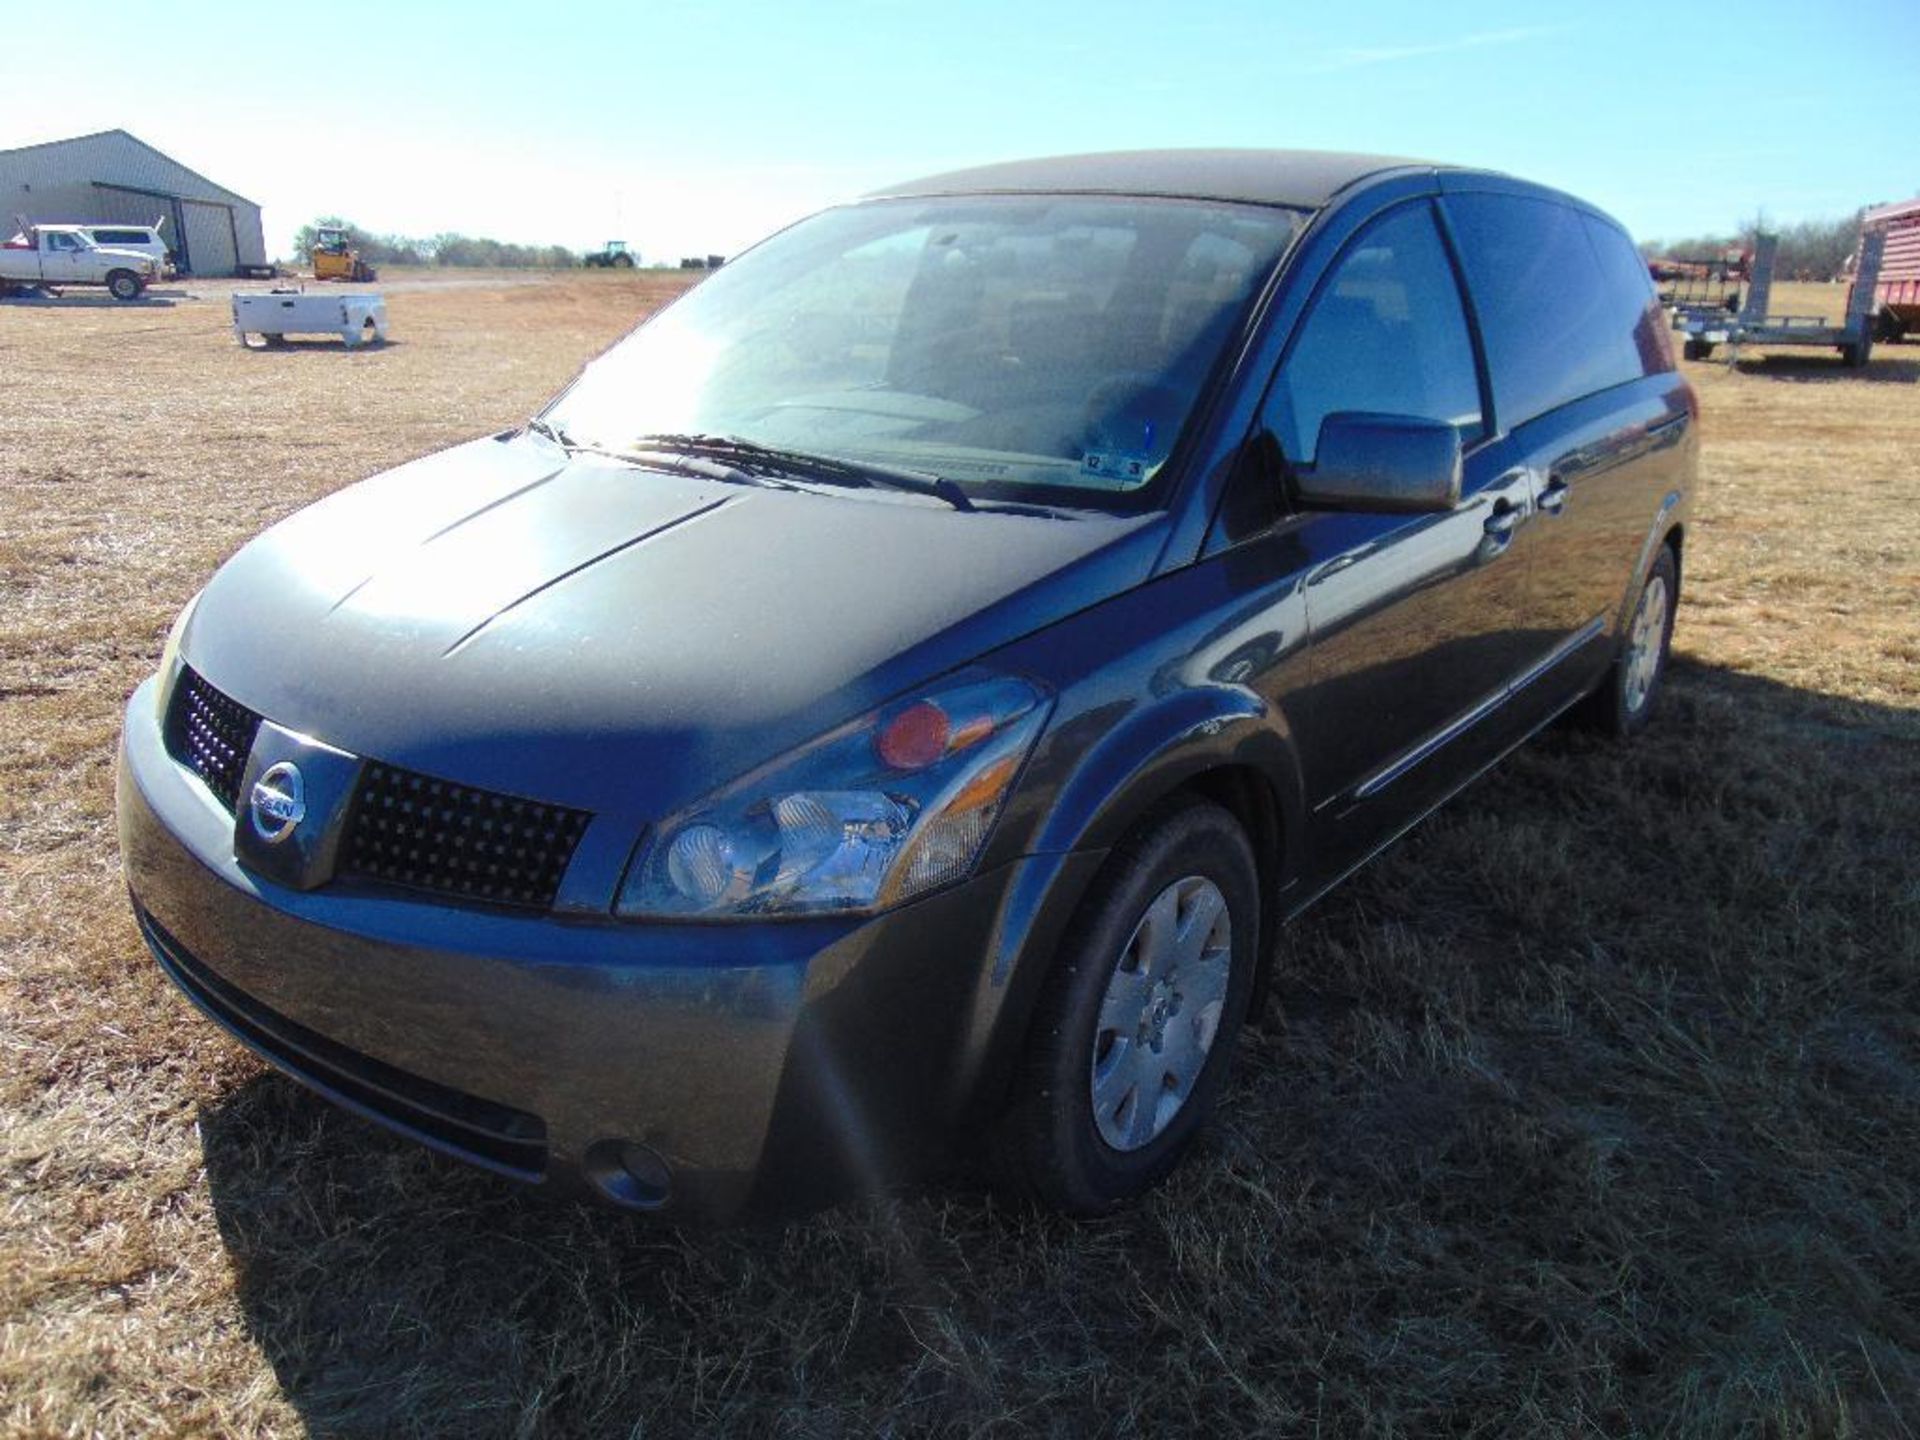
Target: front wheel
x=1624, y=702
x=1135, y=1031
x=124, y=285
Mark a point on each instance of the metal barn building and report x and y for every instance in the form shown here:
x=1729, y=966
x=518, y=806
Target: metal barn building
x=112, y=177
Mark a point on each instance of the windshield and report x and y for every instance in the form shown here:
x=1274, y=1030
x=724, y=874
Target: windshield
x=1014, y=345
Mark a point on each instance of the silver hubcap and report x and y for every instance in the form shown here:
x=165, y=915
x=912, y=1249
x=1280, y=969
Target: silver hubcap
x=1160, y=1013
x=1644, y=641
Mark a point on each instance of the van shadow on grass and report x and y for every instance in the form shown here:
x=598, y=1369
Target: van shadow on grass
x=1592, y=1107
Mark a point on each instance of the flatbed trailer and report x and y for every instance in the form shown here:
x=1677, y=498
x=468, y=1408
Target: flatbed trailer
x=1853, y=337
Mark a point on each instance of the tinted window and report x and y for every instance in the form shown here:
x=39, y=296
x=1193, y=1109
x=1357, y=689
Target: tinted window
x=119, y=237
x=1386, y=334
x=1635, y=308
x=1558, y=324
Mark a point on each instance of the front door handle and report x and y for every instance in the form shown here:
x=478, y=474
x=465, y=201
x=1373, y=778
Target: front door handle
x=1553, y=499
x=1504, y=517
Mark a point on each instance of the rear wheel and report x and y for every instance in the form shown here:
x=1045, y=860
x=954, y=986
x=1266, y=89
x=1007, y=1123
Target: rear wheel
x=124, y=285
x=1136, y=1029
x=1624, y=702
x=1697, y=349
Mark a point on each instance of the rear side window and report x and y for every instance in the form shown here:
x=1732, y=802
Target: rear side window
x=120, y=237
x=1386, y=334
x=1636, y=306
x=1558, y=323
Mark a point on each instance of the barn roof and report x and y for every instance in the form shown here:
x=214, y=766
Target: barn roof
x=217, y=191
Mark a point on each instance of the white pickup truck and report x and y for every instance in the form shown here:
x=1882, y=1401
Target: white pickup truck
x=52, y=257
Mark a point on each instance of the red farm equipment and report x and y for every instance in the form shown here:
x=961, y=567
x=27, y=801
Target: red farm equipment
x=1710, y=283
x=1897, y=296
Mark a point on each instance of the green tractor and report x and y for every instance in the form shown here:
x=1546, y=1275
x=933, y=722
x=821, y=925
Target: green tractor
x=615, y=256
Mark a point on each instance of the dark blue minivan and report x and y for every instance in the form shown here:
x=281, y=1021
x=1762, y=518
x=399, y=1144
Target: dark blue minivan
x=884, y=710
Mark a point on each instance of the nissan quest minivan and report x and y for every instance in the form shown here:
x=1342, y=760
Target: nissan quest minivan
x=883, y=711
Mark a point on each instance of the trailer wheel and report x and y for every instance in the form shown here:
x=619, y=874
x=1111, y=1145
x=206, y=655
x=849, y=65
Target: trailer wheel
x=124, y=285
x=1697, y=349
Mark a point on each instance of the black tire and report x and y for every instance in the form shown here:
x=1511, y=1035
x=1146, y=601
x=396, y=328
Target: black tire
x=1048, y=1146
x=1697, y=349
x=1856, y=355
x=1620, y=707
x=124, y=285
x=623, y=262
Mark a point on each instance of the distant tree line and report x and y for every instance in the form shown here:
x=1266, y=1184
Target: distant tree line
x=446, y=249
x=1809, y=249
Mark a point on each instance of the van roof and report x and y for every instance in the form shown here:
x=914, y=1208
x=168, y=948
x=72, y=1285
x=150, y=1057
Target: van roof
x=1308, y=179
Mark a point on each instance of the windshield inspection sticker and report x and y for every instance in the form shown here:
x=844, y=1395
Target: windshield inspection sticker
x=1118, y=465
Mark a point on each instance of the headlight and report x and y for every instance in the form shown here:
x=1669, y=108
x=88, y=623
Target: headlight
x=170, y=652
x=897, y=803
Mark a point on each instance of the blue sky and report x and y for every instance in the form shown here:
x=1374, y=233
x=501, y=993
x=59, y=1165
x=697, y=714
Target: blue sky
x=699, y=126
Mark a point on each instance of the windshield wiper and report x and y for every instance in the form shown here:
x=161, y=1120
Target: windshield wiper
x=552, y=432
x=750, y=456
x=684, y=463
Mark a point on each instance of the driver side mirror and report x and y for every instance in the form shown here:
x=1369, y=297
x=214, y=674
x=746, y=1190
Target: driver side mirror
x=1397, y=463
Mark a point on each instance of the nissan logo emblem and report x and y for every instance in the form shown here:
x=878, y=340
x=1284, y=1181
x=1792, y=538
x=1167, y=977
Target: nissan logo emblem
x=278, y=802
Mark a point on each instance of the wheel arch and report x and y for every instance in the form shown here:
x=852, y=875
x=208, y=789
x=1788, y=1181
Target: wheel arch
x=1234, y=757
x=1668, y=530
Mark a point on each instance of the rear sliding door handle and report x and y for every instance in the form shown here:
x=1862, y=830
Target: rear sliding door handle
x=1553, y=499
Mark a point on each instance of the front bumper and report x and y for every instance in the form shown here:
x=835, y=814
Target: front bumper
x=792, y=1061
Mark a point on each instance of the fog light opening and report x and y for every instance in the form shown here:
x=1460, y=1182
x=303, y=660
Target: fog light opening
x=630, y=1174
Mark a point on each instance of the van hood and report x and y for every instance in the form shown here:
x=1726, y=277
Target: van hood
x=616, y=638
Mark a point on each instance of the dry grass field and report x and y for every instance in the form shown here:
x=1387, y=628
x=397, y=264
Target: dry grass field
x=1593, y=1109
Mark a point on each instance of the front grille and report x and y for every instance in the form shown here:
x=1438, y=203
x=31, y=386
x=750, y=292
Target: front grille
x=210, y=735
x=481, y=1132
x=415, y=831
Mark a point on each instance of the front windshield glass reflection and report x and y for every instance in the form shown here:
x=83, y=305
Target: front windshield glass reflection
x=1015, y=345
